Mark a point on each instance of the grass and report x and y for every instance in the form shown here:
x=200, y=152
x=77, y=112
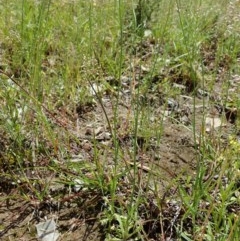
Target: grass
x=88, y=118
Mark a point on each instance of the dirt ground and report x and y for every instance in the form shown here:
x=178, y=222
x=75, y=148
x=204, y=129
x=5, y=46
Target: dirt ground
x=170, y=156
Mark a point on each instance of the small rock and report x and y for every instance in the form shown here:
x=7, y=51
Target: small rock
x=78, y=185
x=172, y=104
x=99, y=130
x=202, y=93
x=47, y=231
x=213, y=123
x=103, y=136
